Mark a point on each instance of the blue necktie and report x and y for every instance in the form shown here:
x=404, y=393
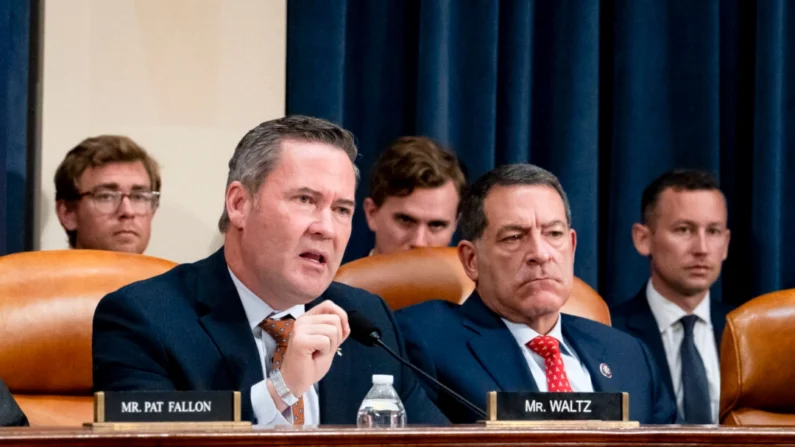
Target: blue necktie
x=694, y=378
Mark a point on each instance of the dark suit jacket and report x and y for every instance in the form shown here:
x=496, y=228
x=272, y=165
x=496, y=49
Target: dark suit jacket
x=469, y=349
x=10, y=414
x=635, y=318
x=187, y=330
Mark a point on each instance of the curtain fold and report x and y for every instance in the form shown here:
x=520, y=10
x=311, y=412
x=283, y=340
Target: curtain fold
x=606, y=94
x=14, y=60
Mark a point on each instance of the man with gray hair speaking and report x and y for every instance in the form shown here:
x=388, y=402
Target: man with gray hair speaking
x=262, y=314
x=509, y=335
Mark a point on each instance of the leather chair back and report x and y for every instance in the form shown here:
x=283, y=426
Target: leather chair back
x=756, y=362
x=47, y=302
x=412, y=276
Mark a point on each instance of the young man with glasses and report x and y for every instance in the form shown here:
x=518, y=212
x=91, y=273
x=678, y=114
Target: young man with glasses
x=107, y=190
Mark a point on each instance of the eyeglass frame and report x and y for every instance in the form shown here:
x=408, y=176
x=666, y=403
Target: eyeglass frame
x=154, y=201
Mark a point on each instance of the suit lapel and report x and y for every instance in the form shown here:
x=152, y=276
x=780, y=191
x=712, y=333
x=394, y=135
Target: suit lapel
x=225, y=322
x=495, y=348
x=590, y=351
x=641, y=324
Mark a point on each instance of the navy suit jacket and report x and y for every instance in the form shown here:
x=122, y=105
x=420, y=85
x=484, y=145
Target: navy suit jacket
x=469, y=349
x=186, y=330
x=635, y=318
x=10, y=414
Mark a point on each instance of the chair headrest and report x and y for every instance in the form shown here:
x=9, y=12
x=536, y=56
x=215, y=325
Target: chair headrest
x=756, y=355
x=47, y=302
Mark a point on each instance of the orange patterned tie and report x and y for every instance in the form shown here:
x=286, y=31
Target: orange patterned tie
x=280, y=330
x=549, y=348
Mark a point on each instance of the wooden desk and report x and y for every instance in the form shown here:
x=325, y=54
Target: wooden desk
x=413, y=436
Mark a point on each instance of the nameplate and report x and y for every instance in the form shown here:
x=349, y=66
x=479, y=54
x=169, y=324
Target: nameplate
x=535, y=406
x=167, y=406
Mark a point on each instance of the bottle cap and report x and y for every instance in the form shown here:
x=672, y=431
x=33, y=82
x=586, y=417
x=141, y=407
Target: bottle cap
x=382, y=379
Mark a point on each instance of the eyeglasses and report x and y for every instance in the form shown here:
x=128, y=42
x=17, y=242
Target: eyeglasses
x=107, y=201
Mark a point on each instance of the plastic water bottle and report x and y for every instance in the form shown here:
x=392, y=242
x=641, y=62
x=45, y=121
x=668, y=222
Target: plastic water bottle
x=382, y=406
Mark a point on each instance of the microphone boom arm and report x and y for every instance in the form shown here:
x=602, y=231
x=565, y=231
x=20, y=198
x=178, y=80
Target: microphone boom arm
x=452, y=393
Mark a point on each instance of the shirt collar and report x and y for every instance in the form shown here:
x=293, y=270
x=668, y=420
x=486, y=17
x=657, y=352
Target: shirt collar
x=258, y=310
x=524, y=334
x=666, y=312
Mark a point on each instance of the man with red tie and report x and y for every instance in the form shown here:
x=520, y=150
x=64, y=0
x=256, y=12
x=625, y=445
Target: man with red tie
x=518, y=246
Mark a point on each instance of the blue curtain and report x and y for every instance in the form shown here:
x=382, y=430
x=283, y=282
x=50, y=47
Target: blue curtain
x=606, y=94
x=15, y=22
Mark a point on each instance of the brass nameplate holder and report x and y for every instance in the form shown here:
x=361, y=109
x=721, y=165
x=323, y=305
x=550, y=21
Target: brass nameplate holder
x=558, y=410
x=167, y=410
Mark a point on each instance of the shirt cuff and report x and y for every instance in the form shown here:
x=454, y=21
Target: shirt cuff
x=265, y=409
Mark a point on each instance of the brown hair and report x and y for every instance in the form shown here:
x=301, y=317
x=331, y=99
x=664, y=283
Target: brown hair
x=413, y=162
x=257, y=154
x=95, y=152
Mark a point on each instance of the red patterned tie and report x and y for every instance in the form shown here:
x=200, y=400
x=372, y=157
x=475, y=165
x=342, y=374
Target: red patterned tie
x=280, y=330
x=549, y=348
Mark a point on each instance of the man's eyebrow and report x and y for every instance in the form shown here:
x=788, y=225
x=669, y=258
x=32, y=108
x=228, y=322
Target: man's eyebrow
x=107, y=186
x=405, y=216
x=554, y=223
x=305, y=190
x=512, y=227
x=684, y=221
x=116, y=187
x=439, y=222
x=346, y=202
x=315, y=193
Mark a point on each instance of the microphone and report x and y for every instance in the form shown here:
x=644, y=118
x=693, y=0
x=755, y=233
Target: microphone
x=368, y=334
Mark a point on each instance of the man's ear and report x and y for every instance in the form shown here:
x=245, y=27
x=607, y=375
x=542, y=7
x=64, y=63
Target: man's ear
x=238, y=204
x=468, y=258
x=641, y=237
x=726, y=247
x=67, y=214
x=370, y=211
x=573, y=241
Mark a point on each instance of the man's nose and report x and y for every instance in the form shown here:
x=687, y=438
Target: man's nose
x=419, y=238
x=323, y=225
x=125, y=208
x=537, y=249
x=700, y=243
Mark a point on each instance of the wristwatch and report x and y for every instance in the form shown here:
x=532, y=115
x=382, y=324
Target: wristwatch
x=281, y=388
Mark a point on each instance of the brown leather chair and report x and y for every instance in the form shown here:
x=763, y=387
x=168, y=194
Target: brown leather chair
x=756, y=362
x=413, y=276
x=47, y=302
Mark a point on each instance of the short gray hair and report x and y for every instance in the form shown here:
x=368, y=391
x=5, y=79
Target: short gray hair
x=472, y=216
x=258, y=152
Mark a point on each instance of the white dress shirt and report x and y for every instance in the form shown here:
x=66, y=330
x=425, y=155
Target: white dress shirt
x=261, y=400
x=578, y=375
x=668, y=315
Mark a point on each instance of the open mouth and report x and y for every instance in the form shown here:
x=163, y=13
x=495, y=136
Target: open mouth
x=314, y=256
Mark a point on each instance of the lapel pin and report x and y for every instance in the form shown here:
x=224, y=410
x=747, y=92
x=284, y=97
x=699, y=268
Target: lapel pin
x=339, y=352
x=605, y=370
